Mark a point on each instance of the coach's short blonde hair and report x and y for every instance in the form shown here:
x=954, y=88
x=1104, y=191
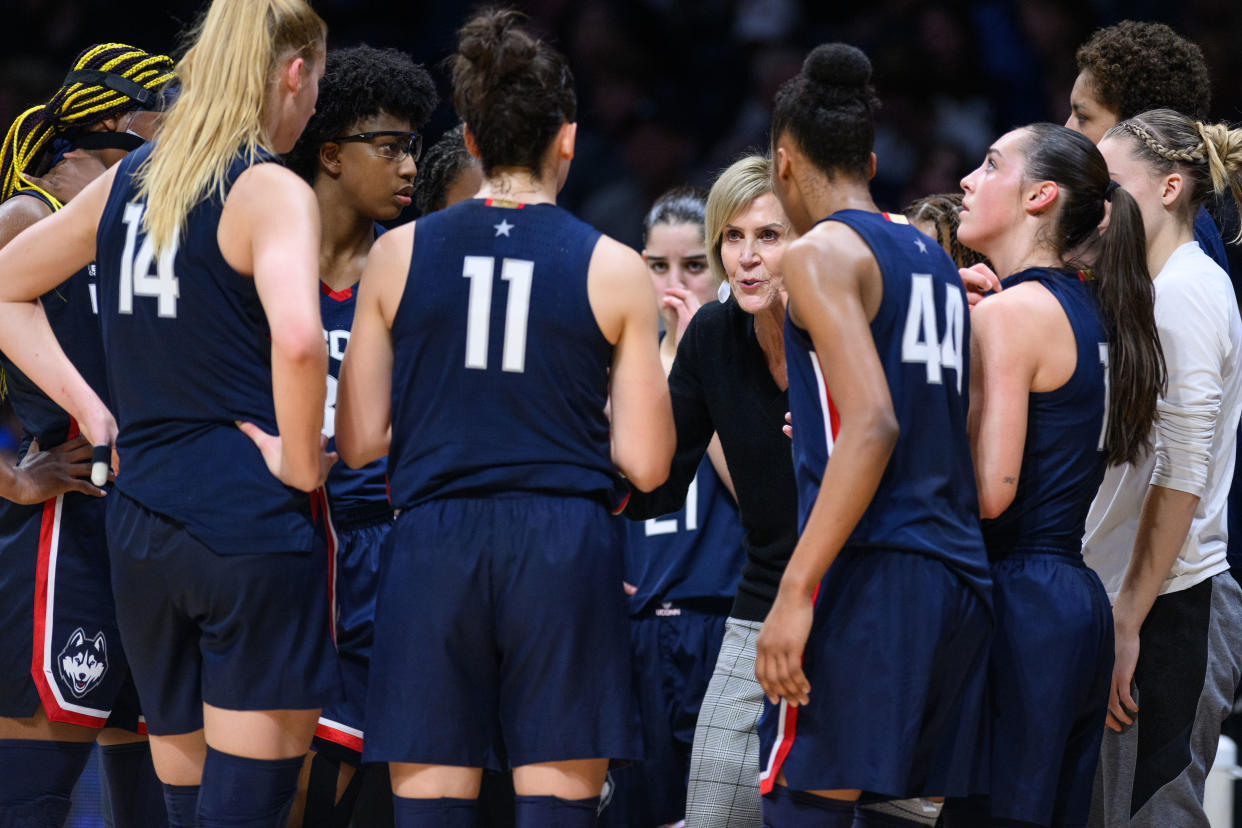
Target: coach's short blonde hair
x=737, y=187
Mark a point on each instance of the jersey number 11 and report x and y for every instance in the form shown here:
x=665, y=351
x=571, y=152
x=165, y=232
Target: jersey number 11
x=518, y=273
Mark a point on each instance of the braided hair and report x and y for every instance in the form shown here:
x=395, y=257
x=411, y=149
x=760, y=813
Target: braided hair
x=106, y=80
x=439, y=169
x=942, y=211
x=1208, y=156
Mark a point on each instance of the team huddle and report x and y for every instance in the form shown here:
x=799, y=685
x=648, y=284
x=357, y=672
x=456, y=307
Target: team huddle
x=810, y=514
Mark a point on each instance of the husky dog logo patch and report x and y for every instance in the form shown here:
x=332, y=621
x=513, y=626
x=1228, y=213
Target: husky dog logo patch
x=83, y=662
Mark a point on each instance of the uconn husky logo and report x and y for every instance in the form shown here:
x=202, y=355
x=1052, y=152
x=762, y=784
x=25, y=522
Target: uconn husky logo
x=83, y=662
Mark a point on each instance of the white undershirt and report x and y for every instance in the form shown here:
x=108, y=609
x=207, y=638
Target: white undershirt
x=1196, y=429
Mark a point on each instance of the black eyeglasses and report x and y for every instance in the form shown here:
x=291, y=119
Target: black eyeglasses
x=398, y=145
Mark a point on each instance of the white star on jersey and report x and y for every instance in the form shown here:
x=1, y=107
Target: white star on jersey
x=503, y=228
x=922, y=245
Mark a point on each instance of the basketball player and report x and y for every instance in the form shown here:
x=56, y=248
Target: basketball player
x=1066, y=371
x=208, y=300
x=359, y=152
x=65, y=674
x=502, y=326
x=874, y=653
x=447, y=174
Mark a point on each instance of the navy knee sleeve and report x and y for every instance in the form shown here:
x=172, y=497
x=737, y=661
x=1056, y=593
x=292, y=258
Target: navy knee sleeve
x=435, y=813
x=784, y=808
x=323, y=809
x=239, y=792
x=181, y=805
x=133, y=792
x=554, y=812
x=36, y=780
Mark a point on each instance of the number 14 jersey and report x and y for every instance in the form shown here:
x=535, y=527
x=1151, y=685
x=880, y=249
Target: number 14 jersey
x=926, y=501
x=500, y=371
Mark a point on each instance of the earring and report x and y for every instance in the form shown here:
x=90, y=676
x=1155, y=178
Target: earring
x=723, y=292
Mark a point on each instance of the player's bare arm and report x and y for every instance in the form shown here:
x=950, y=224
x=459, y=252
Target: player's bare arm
x=624, y=303
x=364, y=395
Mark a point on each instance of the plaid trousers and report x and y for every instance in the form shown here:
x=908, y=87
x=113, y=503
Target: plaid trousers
x=724, y=765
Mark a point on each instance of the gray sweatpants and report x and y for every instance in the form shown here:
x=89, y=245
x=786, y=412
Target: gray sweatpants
x=1190, y=662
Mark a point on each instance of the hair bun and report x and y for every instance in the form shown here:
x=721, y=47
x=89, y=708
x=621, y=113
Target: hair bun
x=842, y=70
x=494, y=42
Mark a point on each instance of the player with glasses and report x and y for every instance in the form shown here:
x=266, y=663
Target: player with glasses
x=375, y=99
x=397, y=145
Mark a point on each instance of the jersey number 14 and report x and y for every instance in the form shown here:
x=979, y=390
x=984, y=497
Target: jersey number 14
x=137, y=277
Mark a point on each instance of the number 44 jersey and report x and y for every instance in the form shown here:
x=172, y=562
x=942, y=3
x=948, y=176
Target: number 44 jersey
x=926, y=501
x=500, y=371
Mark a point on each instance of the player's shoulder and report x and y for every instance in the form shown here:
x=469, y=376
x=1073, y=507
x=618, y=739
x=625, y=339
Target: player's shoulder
x=21, y=210
x=270, y=181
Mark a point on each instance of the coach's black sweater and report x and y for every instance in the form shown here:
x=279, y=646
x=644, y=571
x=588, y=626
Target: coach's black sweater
x=720, y=383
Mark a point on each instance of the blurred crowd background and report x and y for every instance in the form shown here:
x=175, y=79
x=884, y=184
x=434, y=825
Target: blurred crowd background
x=670, y=91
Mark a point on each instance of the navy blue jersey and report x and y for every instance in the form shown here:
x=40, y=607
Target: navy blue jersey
x=71, y=311
x=500, y=371
x=1063, y=459
x=697, y=552
x=189, y=353
x=348, y=489
x=1207, y=234
x=926, y=501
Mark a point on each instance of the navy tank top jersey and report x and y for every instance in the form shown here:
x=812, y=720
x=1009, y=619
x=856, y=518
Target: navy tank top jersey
x=189, y=353
x=697, y=552
x=350, y=491
x=1063, y=459
x=926, y=501
x=500, y=371
x=71, y=310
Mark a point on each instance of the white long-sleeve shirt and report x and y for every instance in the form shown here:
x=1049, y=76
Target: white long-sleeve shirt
x=1196, y=428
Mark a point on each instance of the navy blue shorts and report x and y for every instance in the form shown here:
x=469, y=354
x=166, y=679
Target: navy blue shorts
x=1049, y=676
x=61, y=646
x=240, y=632
x=356, y=549
x=674, y=656
x=505, y=612
x=897, y=661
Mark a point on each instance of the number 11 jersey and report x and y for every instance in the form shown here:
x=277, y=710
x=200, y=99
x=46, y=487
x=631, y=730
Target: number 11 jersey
x=926, y=501
x=500, y=371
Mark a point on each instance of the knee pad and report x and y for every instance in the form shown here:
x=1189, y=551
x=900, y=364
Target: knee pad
x=784, y=808
x=37, y=779
x=554, y=812
x=240, y=792
x=133, y=791
x=445, y=812
x=181, y=806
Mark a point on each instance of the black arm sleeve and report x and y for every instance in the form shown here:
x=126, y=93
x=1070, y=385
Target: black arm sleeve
x=693, y=421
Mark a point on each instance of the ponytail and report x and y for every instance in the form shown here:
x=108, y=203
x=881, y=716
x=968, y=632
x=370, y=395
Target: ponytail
x=239, y=46
x=1118, y=259
x=1126, y=297
x=1207, y=156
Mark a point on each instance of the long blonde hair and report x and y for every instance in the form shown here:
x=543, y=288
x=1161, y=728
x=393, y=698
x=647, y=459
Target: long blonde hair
x=238, y=48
